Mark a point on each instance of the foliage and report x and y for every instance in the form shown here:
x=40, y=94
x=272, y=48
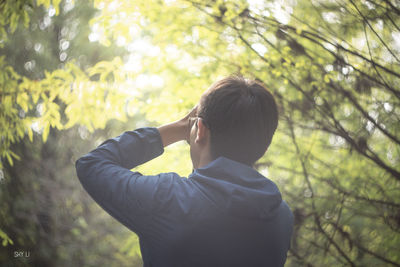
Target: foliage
x=332, y=65
x=52, y=98
x=43, y=208
x=334, y=68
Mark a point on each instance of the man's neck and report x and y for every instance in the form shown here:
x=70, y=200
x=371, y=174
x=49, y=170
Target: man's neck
x=205, y=159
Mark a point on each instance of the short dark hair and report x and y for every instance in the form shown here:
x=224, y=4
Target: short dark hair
x=242, y=117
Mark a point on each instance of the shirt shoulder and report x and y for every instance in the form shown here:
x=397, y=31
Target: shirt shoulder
x=162, y=192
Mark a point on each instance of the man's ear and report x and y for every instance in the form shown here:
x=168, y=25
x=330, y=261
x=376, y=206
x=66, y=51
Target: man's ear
x=203, y=133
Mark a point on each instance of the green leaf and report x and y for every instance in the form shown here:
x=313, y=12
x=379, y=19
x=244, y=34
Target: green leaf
x=46, y=131
x=30, y=134
x=9, y=158
x=326, y=78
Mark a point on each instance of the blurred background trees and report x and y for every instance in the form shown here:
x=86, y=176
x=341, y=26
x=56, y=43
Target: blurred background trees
x=74, y=74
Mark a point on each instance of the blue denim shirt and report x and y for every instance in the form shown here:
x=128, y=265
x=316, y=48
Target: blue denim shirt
x=223, y=214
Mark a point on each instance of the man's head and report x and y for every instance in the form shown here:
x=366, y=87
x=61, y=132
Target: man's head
x=237, y=119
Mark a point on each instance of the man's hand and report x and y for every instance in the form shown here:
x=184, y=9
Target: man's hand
x=178, y=130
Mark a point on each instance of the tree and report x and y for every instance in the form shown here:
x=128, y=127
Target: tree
x=56, y=93
x=44, y=212
x=334, y=69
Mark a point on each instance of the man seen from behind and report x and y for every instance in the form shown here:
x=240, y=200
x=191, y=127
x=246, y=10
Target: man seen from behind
x=225, y=213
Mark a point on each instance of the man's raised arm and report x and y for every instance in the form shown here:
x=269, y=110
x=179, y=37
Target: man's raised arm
x=105, y=172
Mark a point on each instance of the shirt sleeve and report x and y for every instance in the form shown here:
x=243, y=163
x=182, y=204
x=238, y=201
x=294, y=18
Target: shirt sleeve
x=105, y=174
